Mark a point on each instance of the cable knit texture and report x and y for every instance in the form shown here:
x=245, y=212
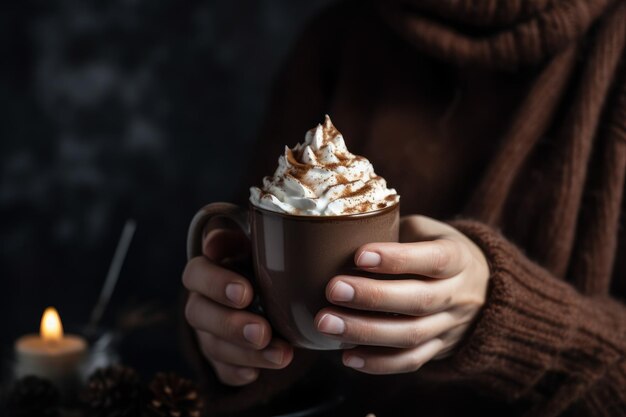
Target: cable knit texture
x=508, y=114
x=537, y=329
x=521, y=32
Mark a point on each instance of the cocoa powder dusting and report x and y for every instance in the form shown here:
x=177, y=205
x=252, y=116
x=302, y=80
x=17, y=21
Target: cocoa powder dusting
x=329, y=130
x=298, y=169
x=299, y=178
x=343, y=161
x=349, y=193
x=293, y=161
x=341, y=179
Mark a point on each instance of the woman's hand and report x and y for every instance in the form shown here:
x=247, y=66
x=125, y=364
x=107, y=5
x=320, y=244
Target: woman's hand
x=433, y=309
x=236, y=342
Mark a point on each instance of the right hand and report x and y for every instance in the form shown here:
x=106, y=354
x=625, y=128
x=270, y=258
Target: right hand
x=236, y=343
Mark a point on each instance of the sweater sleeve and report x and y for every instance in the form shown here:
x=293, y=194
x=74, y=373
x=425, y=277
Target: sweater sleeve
x=538, y=340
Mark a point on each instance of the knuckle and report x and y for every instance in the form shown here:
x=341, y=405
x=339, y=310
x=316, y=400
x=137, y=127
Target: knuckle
x=440, y=256
x=443, y=354
x=223, y=376
x=379, y=366
x=229, y=376
x=211, y=284
x=254, y=359
x=413, y=336
x=399, y=262
x=215, y=279
x=463, y=254
x=468, y=307
x=359, y=332
x=231, y=326
x=191, y=310
x=209, y=347
x=188, y=271
x=421, y=302
x=234, y=378
x=374, y=297
x=416, y=365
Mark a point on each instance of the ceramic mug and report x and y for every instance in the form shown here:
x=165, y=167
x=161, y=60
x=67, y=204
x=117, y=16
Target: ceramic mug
x=295, y=257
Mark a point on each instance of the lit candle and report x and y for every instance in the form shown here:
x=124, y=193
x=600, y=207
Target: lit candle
x=51, y=354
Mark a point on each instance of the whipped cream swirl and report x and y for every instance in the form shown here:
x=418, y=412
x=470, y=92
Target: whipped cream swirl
x=320, y=177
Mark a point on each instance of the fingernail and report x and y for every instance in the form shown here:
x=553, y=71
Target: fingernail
x=252, y=333
x=342, y=292
x=234, y=292
x=273, y=355
x=246, y=373
x=368, y=259
x=331, y=324
x=355, y=362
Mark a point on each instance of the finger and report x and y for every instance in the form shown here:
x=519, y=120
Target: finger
x=277, y=355
x=238, y=327
x=451, y=340
x=441, y=258
x=216, y=283
x=219, y=244
x=380, y=361
x=410, y=297
x=382, y=330
x=234, y=375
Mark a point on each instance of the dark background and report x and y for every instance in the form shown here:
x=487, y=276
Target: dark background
x=123, y=109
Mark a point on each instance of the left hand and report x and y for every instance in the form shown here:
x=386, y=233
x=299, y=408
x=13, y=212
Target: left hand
x=433, y=310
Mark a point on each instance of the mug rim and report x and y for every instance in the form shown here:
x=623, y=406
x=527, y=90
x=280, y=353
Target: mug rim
x=353, y=216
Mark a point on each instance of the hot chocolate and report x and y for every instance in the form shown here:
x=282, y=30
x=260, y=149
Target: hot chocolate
x=320, y=177
x=305, y=225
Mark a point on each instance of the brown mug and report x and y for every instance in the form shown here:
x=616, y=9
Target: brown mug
x=295, y=257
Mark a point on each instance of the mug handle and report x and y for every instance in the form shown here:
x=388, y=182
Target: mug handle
x=196, y=232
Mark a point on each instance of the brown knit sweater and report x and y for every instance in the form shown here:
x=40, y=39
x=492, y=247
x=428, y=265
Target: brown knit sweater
x=508, y=116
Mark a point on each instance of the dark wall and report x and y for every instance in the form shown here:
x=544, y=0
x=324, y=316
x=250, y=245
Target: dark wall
x=122, y=109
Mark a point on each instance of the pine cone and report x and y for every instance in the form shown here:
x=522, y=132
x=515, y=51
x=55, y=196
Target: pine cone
x=33, y=397
x=173, y=396
x=114, y=391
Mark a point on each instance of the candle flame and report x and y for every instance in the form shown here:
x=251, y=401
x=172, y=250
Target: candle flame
x=51, y=329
